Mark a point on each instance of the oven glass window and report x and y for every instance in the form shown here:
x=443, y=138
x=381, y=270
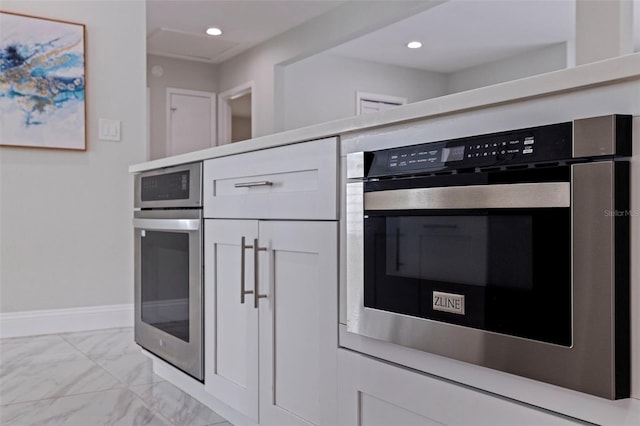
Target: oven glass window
x=165, y=282
x=511, y=267
x=457, y=249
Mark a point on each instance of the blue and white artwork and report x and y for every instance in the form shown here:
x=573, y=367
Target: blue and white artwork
x=42, y=83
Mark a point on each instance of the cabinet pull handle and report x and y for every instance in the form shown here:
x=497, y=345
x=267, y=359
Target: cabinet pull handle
x=243, y=292
x=256, y=291
x=250, y=184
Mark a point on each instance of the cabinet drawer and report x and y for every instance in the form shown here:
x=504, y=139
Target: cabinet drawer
x=290, y=182
x=375, y=393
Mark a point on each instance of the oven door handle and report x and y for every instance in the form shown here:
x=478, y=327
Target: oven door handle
x=517, y=195
x=167, y=224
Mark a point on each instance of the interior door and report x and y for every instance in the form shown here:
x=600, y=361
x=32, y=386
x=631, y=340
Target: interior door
x=231, y=328
x=298, y=323
x=190, y=121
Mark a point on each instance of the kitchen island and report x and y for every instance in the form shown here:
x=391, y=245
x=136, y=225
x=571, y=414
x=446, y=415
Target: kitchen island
x=374, y=382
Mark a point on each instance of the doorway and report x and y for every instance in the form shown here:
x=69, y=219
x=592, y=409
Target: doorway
x=236, y=115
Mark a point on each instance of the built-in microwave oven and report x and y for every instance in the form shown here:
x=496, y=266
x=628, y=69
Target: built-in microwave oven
x=508, y=250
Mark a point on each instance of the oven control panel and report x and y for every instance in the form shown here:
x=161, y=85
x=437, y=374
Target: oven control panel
x=174, y=187
x=532, y=145
x=170, y=186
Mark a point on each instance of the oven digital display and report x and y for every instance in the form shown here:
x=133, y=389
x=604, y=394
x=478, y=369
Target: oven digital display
x=170, y=186
x=455, y=153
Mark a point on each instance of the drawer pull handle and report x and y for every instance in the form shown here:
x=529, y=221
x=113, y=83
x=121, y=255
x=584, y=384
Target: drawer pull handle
x=243, y=292
x=250, y=184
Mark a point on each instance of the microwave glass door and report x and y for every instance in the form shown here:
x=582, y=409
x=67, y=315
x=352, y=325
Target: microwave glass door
x=165, y=281
x=501, y=270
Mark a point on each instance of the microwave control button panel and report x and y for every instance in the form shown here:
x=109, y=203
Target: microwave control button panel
x=541, y=144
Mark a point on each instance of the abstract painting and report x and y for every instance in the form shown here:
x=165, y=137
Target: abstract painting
x=42, y=83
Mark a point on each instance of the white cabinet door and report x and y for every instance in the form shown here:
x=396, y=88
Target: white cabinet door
x=298, y=323
x=191, y=124
x=231, y=328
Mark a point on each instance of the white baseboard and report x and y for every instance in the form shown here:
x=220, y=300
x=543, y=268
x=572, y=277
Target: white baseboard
x=31, y=323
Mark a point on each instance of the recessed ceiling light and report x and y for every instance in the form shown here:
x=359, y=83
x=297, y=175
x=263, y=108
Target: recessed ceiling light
x=214, y=31
x=414, y=45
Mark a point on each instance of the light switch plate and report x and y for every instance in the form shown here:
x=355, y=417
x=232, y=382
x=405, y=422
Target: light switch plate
x=109, y=130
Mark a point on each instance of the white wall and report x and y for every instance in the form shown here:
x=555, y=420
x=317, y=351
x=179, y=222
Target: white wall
x=269, y=63
x=259, y=64
x=65, y=217
x=323, y=87
x=538, y=61
x=604, y=29
x=265, y=63
x=180, y=74
x=636, y=25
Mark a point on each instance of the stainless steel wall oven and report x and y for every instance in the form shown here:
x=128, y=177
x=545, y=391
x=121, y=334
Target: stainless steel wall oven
x=168, y=265
x=505, y=250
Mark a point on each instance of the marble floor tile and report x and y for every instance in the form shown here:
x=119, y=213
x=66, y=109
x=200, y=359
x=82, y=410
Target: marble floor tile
x=52, y=379
x=131, y=368
x=103, y=343
x=26, y=349
x=18, y=414
x=177, y=406
x=90, y=378
x=25, y=363
x=115, y=407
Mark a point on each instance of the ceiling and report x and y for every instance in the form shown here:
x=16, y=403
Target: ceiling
x=456, y=35
x=461, y=33
x=175, y=28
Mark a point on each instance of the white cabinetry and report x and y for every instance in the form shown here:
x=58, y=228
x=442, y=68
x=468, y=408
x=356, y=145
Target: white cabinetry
x=273, y=358
x=231, y=328
x=374, y=393
x=297, y=181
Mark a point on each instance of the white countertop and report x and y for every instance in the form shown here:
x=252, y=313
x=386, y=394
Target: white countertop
x=601, y=73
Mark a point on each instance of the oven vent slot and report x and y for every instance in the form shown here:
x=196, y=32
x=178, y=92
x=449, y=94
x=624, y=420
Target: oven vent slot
x=517, y=167
x=551, y=164
x=490, y=169
x=467, y=170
